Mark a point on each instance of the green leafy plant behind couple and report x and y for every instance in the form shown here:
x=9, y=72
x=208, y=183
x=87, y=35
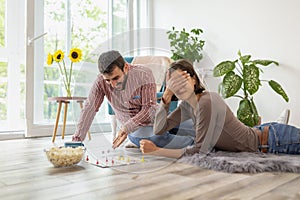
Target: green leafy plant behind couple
x=244, y=74
x=186, y=44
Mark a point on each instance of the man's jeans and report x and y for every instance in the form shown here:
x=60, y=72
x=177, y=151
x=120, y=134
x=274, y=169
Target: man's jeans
x=283, y=138
x=179, y=137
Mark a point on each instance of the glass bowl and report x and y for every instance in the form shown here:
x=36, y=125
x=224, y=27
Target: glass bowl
x=65, y=156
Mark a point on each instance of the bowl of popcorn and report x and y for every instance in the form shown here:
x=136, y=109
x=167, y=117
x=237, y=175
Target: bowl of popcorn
x=65, y=156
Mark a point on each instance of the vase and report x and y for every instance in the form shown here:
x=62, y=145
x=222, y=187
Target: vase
x=67, y=87
x=68, y=92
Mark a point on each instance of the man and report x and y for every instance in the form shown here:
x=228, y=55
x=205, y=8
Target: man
x=131, y=91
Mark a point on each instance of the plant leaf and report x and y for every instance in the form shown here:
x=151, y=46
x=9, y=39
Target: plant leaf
x=197, y=31
x=278, y=89
x=245, y=59
x=239, y=53
x=231, y=84
x=223, y=68
x=251, y=78
x=264, y=62
x=247, y=113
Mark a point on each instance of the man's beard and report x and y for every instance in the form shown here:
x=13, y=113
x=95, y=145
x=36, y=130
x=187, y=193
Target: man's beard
x=121, y=85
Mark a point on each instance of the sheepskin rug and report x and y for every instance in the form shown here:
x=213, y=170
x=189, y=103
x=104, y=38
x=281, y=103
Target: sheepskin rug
x=244, y=162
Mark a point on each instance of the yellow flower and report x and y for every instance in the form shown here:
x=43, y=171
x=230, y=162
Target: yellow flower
x=66, y=73
x=75, y=55
x=58, y=55
x=49, y=59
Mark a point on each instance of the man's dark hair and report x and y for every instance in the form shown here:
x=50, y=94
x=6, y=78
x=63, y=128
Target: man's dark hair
x=109, y=60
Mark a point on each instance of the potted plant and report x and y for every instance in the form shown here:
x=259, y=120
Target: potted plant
x=243, y=74
x=187, y=45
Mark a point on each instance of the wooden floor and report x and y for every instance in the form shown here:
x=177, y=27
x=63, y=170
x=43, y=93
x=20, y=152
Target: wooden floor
x=25, y=173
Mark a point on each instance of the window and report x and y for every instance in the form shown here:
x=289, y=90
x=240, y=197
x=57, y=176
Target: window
x=65, y=24
x=69, y=24
x=2, y=22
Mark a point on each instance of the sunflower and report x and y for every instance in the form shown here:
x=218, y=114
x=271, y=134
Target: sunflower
x=58, y=55
x=49, y=59
x=75, y=55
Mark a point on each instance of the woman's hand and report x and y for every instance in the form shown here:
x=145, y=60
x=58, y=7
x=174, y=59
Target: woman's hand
x=148, y=147
x=177, y=82
x=167, y=96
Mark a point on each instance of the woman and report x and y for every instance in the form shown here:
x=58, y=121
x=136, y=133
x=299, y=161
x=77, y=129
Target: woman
x=214, y=123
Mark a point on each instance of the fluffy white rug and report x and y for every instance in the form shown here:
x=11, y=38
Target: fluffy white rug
x=244, y=162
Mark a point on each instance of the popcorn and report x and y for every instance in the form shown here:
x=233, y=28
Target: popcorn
x=64, y=156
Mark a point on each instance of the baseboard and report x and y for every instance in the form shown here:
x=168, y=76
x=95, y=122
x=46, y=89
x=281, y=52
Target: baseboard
x=12, y=135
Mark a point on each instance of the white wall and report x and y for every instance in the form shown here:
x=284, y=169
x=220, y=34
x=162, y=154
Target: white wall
x=266, y=29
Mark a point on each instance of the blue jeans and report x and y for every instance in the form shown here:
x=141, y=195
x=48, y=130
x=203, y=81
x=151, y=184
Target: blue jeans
x=283, y=138
x=179, y=137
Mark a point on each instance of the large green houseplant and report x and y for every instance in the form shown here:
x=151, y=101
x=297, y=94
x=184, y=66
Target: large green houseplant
x=243, y=74
x=186, y=44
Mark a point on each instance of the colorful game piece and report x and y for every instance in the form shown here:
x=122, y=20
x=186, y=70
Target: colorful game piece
x=97, y=162
x=143, y=159
x=87, y=158
x=112, y=162
x=128, y=159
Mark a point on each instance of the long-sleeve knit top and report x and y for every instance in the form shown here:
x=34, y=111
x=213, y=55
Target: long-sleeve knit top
x=134, y=106
x=214, y=123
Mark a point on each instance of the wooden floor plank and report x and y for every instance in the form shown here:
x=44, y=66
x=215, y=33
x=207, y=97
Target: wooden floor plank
x=259, y=187
x=137, y=188
x=206, y=184
x=32, y=187
x=284, y=191
x=249, y=188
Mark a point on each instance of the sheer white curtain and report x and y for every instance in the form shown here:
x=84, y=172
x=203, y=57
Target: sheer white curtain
x=12, y=74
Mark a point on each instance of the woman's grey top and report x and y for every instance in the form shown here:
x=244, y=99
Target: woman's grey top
x=214, y=123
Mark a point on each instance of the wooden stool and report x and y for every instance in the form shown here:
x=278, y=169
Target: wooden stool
x=65, y=101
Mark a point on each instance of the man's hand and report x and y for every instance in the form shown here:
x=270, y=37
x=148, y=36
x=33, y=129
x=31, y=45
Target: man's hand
x=122, y=135
x=76, y=138
x=148, y=147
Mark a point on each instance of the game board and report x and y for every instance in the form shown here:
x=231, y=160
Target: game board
x=110, y=158
x=103, y=155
